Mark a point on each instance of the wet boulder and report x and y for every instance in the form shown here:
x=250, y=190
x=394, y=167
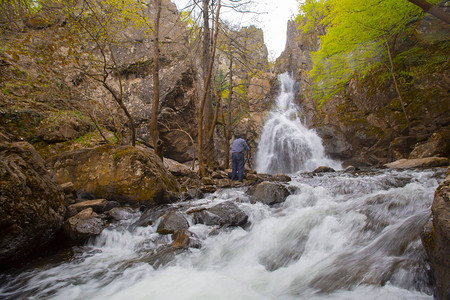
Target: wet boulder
x=121, y=213
x=436, y=238
x=223, y=214
x=282, y=178
x=83, y=225
x=172, y=222
x=121, y=173
x=324, y=169
x=32, y=204
x=270, y=193
x=185, y=239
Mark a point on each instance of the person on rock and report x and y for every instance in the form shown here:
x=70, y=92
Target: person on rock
x=238, y=149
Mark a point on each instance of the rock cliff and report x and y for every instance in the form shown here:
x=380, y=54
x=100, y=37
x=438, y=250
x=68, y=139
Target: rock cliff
x=364, y=124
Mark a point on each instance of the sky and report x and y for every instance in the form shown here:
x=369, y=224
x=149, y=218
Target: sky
x=272, y=17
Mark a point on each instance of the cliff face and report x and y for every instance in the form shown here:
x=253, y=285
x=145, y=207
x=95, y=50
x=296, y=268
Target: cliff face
x=48, y=100
x=365, y=124
x=178, y=75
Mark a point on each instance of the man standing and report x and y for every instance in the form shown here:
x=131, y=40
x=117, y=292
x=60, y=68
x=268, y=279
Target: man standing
x=238, y=149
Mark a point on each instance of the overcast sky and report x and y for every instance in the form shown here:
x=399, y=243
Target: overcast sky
x=272, y=19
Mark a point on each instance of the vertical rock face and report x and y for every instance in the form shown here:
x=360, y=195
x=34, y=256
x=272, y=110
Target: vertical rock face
x=31, y=203
x=436, y=239
x=365, y=123
x=296, y=55
x=178, y=74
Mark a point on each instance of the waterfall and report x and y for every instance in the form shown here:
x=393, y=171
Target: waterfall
x=338, y=236
x=286, y=145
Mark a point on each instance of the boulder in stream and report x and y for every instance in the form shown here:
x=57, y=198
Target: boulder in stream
x=224, y=214
x=323, y=169
x=83, y=225
x=270, y=193
x=172, y=222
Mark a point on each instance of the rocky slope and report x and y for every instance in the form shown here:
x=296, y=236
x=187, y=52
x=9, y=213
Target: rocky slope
x=66, y=106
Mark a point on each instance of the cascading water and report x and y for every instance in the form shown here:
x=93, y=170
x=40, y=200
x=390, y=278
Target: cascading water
x=338, y=236
x=286, y=145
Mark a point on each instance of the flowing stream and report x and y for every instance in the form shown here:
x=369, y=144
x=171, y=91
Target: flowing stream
x=287, y=145
x=337, y=236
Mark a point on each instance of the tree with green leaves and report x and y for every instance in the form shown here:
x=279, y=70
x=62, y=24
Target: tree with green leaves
x=360, y=36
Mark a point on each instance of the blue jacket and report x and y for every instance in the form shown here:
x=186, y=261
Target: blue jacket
x=239, y=145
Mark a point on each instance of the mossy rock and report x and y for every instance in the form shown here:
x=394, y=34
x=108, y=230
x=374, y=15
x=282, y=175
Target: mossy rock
x=122, y=173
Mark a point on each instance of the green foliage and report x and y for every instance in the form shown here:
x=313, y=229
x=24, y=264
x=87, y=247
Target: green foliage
x=358, y=33
x=311, y=15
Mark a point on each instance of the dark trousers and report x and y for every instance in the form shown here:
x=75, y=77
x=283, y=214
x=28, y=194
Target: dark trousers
x=237, y=163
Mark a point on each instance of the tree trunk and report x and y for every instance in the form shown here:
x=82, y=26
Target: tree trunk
x=153, y=127
x=208, y=146
x=432, y=9
x=119, y=100
x=207, y=78
x=396, y=85
x=228, y=125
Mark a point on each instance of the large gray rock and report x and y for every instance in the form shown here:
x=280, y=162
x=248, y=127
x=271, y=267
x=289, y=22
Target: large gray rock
x=436, y=239
x=171, y=222
x=31, y=203
x=122, y=173
x=270, y=193
x=437, y=145
x=121, y=213
x=82, y=226
x=223, y=214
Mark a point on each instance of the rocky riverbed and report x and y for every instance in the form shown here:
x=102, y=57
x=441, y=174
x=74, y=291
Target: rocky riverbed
x=71, y=199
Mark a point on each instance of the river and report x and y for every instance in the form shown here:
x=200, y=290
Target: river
x=338, y=236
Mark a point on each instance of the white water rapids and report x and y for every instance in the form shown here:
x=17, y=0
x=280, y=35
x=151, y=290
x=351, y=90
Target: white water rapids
x=287, y=145
x=338, y=236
